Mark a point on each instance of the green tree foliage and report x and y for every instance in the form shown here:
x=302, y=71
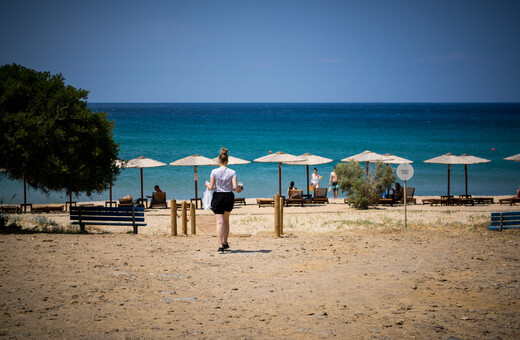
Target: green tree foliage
x=49, y=136
x=384, y=177
x=362, y=191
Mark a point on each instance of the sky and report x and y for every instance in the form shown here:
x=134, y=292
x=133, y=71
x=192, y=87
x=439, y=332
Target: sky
x=271, y=51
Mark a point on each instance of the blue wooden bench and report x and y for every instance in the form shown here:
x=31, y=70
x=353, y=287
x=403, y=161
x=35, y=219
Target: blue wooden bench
x=125, y=216
x=505, y=220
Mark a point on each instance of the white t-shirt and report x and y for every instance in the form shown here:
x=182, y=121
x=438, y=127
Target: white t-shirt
x=223, y=179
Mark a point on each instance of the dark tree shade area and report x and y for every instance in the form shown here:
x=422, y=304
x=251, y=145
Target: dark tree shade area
x=50, y=137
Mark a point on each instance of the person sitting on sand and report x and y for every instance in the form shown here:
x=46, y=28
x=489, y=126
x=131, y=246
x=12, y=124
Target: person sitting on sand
x=291, y=187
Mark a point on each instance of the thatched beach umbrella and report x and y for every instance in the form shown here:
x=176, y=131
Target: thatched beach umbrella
x=474, y=160
x=279, y=157
x=367, y=157
x=310, y=159
x=448, y=159
x=143, y=162
x=233, y=161
x=515, y=158
x=194, y=161
x=392, y=159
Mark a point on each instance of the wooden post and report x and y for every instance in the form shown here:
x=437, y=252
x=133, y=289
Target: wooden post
x=192, y=219
x=281, y=214
x=173, y=215
x=184, y=219
x=277, y=215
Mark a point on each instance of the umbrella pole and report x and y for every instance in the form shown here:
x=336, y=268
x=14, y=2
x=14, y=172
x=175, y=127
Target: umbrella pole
x=280, y=178
x=466, y=178
x=196, y=193
x=308, y=181
x=110, y=193
x=366, y=167
x=142, y=196
x=449, y=168
x=24, y=194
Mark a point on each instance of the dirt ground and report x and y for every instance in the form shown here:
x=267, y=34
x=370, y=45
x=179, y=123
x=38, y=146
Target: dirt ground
x=351, y=284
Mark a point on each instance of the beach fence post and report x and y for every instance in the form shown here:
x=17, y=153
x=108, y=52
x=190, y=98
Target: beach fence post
x=192, y=219
x=184, y=218
x=277, y=215
x=173, y=215
x=281, y=214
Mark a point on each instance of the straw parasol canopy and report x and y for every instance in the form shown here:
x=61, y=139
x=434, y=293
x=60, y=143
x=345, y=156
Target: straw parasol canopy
x=392, y=159
x=310, y=159
x=448, y=159
x=475, y=160
x=195, y=161
x=367, y=157
x=279, y=157
x=233, y=161
x=515, y=158
x=143, y=162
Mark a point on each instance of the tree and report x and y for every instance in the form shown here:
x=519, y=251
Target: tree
x=50, y=137
x=361, y=192
x=384, y=177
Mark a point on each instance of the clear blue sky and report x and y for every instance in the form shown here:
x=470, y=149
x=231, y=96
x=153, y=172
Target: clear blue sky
x=271, y=51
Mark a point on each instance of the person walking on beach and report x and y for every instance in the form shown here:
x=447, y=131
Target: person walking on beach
x=315, y=180
x=333, y=183
x=224, y=181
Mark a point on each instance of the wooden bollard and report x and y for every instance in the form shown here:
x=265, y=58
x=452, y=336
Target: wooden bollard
x=192, y=219
x=281, y=214
x=173, y=213
x=277, y=215
x=184, y=219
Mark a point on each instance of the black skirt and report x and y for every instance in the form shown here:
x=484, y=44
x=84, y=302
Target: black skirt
x=222, y=201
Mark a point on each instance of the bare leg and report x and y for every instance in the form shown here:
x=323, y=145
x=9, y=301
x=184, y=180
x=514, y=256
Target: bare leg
x=220, y=229
x=225, y=228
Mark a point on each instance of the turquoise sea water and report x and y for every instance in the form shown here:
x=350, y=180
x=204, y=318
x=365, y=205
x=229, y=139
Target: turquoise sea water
x=167, y=132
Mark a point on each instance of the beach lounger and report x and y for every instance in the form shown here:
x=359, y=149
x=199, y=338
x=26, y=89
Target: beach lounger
x=47, y=208
x=409, y=196
x=158, y=200
x=126, y=202
x=320, y=195
x=295, y=197
x=10, y=209
x=265, y=201
x=386, y=201
x=483, y=200
x=510, y=201
x=240, y=200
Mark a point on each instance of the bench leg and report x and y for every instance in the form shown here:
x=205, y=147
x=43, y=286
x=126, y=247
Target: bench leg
x=82, y=229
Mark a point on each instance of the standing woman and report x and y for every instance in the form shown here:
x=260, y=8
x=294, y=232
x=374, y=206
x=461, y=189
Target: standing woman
x=224, y=181
x=315, y=180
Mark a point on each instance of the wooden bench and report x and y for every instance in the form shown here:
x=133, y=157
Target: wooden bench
x=124, y=216
x=505, y=220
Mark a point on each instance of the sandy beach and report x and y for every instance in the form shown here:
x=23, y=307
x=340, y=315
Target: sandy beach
x=336, y=272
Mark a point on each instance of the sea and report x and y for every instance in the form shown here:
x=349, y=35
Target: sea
x=416, y=131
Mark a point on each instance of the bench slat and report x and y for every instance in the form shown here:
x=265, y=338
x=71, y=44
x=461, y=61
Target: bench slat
x=102, y=218
x=509, y=227
x=505, y=218
x=111, y=223
x=508, y=223
x=87, y=214
x=106, y=209
x=506, y=213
